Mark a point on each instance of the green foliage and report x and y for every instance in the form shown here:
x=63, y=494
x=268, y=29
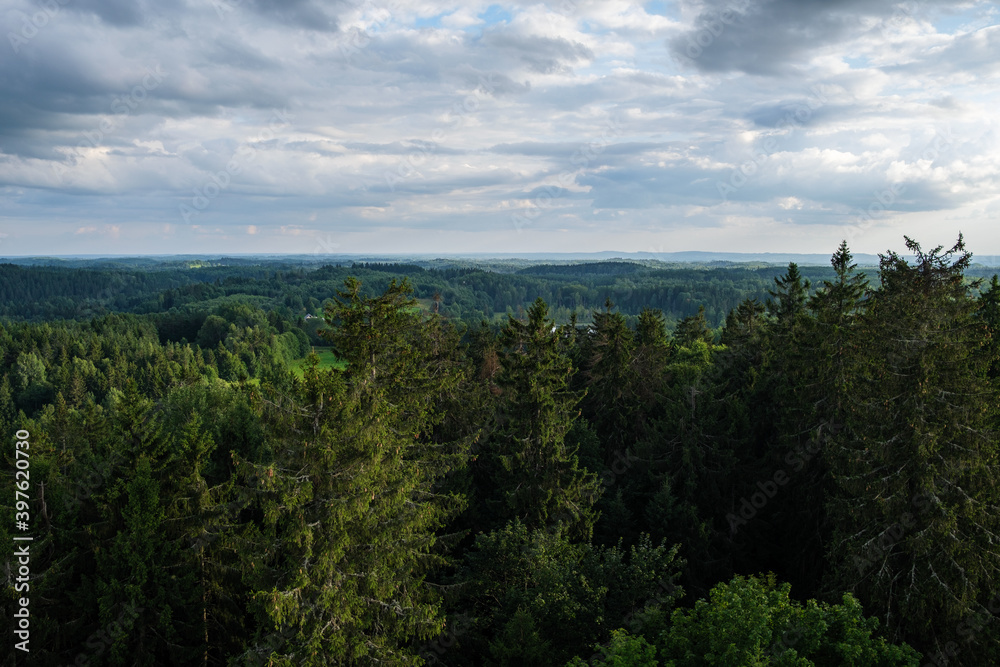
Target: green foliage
x=337, y=566
x=752, y=621
x=325, y=360
x=204, y=490
x=916, y=469
x=213, y=331
x=553, y=595
x=988, y=312
x=529, y=472
x=29, y=371
x=693, y=329
x=607, y=356
x=624, y=650
x=651, y=330
x=789, y=294
x=180, y=296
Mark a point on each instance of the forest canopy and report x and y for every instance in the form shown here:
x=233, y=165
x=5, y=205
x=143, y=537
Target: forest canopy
x=614, y=463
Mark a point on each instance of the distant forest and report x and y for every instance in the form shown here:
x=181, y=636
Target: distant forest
x=263, y=462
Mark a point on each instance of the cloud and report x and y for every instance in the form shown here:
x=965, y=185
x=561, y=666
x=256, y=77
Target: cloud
x=304, y=119
x=122, y=13
x=779, y=37
x=297, y=13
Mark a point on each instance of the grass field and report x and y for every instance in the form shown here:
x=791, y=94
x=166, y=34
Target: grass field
x=327, y=359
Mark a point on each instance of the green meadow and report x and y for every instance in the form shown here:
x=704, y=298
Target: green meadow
x=327, y=359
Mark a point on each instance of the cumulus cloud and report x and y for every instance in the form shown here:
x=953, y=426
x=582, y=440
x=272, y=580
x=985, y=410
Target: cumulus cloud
x=259, y=125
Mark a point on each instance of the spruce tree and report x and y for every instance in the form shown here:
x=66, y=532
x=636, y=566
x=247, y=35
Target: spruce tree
x=915, y=467
x=7, y=408
x=611, y=381
x=788, y=298
x=651, y=328
x=349, y=509
x=649, y=363
x=528, y=470
x=805, y=380
x=694, y=328
x=680, y=476
x=988, y=312
x=146, y=578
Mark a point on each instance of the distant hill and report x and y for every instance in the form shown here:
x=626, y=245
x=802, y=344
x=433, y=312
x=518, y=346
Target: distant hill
x=511, y=261
x=526, y=258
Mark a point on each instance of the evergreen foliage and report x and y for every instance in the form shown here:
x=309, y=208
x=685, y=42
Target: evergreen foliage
x=537, y=488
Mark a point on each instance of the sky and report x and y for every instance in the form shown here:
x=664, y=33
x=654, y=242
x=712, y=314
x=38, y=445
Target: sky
x=362, y=126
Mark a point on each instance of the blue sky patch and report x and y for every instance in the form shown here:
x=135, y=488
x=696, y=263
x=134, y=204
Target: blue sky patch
x=496, y=14
x=430, y=21
x=658, y=7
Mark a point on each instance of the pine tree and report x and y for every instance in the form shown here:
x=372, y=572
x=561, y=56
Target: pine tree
x=649, y=364
x=349, y=505
x=916, y=470
x=805, y=387
x=988, y=312
x=694, y=328
x=788, y=298
x=836, y=301
x=611, y=381
x=744, y=323
x=7, y=408
x=530, y=472
x=683, y=462
x=146, y=579
x=651, y=329
x=837, y=307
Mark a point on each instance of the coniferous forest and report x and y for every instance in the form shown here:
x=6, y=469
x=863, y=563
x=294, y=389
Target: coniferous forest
x=617, y=463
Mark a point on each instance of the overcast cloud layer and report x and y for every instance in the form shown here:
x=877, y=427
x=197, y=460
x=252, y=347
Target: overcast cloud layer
x=299, y=126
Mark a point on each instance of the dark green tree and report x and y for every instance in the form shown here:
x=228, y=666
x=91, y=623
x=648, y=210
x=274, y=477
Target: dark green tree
x=338, y=563
x=146, y=578
x=531, y=473
x=649, y=363
x=651, y=328
x=7, y=408
x=694, y=328
x=804, y=386
x=788, y=298
x=611, y=381
x=988, y=312
x=915, y=468
x=534, y=597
